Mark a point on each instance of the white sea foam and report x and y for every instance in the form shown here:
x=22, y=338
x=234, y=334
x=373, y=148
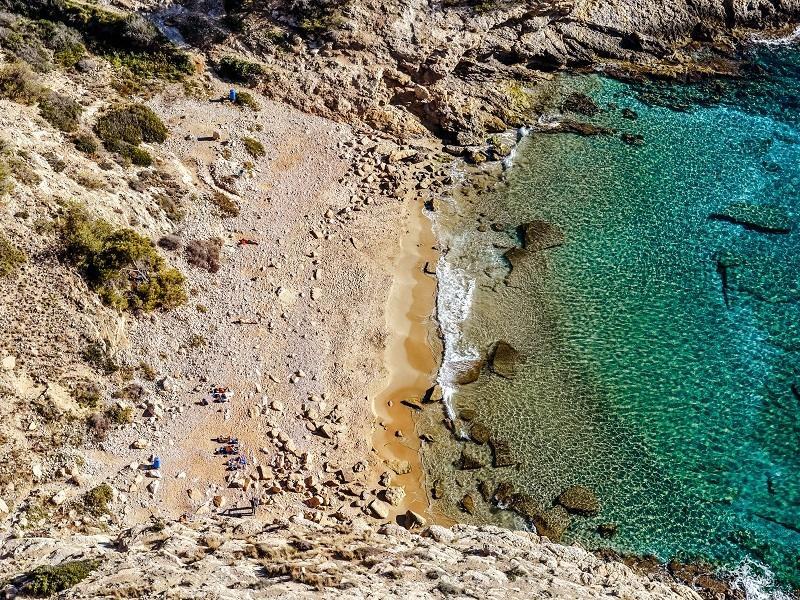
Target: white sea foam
x=786, y=40
x=453, y=306
x=756, y=581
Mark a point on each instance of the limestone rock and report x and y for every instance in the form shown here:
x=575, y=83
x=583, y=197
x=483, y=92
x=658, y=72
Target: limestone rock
x=394, y=495
x=379, y=509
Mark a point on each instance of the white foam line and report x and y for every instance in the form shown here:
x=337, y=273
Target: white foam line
x=781, y=41
x=756, y=581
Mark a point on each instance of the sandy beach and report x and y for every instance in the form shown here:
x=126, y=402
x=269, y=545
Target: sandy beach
x=320, y=316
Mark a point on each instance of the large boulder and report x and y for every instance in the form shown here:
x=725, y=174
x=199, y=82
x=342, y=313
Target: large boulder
x=501, y=453
x=579, y=500
x=540, y=235
x=503, y=359
x=467, y=371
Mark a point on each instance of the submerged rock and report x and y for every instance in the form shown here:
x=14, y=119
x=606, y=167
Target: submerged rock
x=467, y=371
x=579, y=500
x=550, y=523
x=539, y=235
x=468, y=504
x=764, y=218
x=469, y=460
x=479, y=433
x=503, y=359
x=501, y=454
x=607, y=530
x=581, y=104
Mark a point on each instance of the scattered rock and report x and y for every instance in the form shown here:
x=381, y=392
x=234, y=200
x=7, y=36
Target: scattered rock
x=469, y=460
x=401, y=467
x=479, y=433
x=579, y=500
x=501, y=454
x=139, y=444
x=468, y=504
x=540, y=235
x=467, y=371
x=503, y=359
x=9, y=362
x=437, y=491
x=413, y=519
x=394, y=495
x=379, y=509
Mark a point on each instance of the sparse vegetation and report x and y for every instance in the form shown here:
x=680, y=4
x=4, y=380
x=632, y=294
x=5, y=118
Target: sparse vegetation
x=85, y=142
x=169, y=242
x=99, y=424
x=122, y=266
x=204, y=254
x=87, y=395
x=60, y=111
x=254, y=147
x=226, y=206
x=11, y=257
x=98, y=355
x=22, y=171
x=49, y=580
x=120, y=415
x=96, y=500
x=246, y=99
x=18, y=83
x=239, y=70
x=196, y=341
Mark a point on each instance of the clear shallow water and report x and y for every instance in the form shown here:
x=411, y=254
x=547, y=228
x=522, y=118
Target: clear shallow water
x=680, y=409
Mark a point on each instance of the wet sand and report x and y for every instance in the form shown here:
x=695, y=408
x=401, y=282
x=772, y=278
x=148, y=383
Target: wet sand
x=411, y=357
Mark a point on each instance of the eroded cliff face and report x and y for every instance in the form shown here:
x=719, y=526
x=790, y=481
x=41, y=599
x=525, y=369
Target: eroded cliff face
x=459, y=70
x=299, y=559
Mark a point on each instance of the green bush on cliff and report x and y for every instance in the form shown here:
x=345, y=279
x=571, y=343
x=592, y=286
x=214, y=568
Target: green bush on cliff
x=123, y=267
x=239, y=70
x=18, y=83
x=62, y=112
x=96, y=500
x=132, y=124
x=49, y=580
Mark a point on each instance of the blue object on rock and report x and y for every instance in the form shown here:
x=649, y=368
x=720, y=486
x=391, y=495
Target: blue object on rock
x=232, y=96
x=156, y=463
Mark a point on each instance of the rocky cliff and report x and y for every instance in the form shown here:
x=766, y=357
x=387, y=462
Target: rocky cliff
x=460, y=69
x=298, y=559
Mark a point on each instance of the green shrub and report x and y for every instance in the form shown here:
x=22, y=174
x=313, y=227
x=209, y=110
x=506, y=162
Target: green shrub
x=238, y=70
x=85, y=142
x=135, y=155
x=22, y=171
x=96, y=500
x=65, y=42
x=173, y=66
x=246, y=99
x=60, y=111
x=123, y=267
x=49, y=580
x=131, y=124
x=98, y=355
x=18, y=83
x=226, y=206
x=11, y=257
x=254, y=147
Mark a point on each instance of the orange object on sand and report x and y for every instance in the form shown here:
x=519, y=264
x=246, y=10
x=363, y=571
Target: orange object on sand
x=246, y=242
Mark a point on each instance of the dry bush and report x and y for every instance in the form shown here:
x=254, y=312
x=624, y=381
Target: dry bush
x=204, y=254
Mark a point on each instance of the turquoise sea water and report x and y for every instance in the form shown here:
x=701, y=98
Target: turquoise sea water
x=662, y=348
